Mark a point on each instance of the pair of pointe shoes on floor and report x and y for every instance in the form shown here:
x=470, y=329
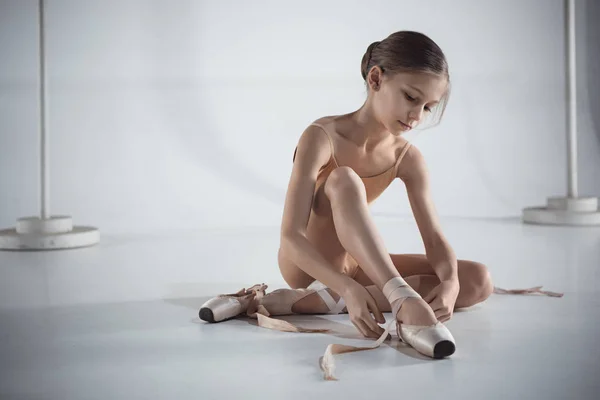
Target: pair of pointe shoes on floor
x=434, y=341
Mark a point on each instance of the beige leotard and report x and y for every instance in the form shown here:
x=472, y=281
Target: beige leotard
x=321, y=230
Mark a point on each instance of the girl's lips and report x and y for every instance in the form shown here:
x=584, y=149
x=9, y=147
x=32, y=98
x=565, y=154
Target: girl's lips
x=406, y=127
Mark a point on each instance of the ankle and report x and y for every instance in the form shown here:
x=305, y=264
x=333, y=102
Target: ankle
x=314, y=303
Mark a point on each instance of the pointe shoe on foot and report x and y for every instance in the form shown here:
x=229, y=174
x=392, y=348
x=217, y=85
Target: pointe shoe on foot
x=228, y=306
x=434, y=340
x=335, y=307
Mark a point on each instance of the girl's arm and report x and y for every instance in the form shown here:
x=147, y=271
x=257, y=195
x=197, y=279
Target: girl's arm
x=312, y=153
x=413, y=172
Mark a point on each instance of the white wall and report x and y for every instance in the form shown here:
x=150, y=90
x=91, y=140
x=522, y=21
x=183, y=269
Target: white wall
x=183, y=114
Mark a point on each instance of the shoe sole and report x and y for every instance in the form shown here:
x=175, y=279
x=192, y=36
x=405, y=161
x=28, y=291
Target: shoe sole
x=207, y=315
x=443, y=349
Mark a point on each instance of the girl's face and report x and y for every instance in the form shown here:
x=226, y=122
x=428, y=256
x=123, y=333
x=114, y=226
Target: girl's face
x=405, y=99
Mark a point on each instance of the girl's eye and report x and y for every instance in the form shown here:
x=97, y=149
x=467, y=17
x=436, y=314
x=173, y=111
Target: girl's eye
x=412, y=99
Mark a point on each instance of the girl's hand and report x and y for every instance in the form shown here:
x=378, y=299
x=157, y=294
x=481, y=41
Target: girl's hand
x=442, y=299
x=360, y=304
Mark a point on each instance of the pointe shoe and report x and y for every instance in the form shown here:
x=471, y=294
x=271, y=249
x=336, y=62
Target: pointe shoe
x=434, y=341
x=333, y=306
x=228, y=306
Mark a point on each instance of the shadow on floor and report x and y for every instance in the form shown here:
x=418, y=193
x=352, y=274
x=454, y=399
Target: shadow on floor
x=337, y=329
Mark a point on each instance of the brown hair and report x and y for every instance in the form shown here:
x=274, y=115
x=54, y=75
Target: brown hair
x=408, y=51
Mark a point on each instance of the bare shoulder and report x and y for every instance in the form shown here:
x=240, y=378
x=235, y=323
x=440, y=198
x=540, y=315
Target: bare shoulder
x=413, y=167
x=312, y=153
x=313, y=149
x=325, y=120
x=329, y=123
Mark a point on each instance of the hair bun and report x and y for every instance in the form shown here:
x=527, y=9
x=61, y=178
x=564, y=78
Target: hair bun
x=364, y=67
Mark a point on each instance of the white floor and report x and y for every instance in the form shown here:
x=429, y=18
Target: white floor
x=119, y=321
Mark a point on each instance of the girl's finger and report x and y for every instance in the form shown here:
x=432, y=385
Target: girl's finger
x=436, y=304
x=363, y=328
x=444, y=318
x=430, y=296
x=375, y=310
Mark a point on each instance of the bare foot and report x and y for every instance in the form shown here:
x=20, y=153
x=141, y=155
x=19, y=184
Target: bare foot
x=415, y=311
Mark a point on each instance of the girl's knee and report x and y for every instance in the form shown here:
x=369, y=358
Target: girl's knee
x=343, y=180
x=477, y=285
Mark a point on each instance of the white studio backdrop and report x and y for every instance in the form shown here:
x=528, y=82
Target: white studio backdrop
x=185, y=114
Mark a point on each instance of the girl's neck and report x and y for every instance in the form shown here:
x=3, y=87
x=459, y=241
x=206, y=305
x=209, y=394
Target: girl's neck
x=369, y=131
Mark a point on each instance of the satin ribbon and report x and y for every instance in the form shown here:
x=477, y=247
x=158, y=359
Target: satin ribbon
x=327, y=361
x=532, y=290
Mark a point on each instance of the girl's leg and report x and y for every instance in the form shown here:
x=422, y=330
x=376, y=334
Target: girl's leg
x=475, y=282
x=358, y=234
x=313, y=304
x=344, y=195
